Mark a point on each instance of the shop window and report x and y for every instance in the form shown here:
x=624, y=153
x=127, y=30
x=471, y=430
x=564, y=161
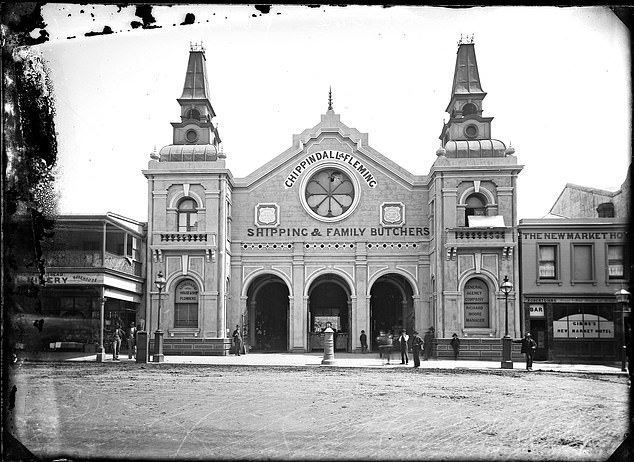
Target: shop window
x=476, y=304
x=581, y=321
x=187, y=215
x=547, y=262
x=616, y=266
x=583, y=262
x=606, y=210
x=475, y=206
x=186, y=304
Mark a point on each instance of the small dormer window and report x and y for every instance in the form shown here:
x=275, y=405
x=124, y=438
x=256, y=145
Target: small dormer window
x=606, y=210
x=469, y=109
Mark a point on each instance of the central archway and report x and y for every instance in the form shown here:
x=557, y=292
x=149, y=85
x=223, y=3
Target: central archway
x=329, y=306
x=391, y=307
x=268, y=302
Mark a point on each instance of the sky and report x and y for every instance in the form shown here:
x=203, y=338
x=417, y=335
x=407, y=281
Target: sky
x=557, y=81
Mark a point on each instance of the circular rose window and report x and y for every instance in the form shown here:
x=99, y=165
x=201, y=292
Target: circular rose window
x=191, y=136
x=329, y=194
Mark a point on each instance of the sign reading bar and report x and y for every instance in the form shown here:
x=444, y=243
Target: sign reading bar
x=337, y=156
x=476, y=303
x=536, y=311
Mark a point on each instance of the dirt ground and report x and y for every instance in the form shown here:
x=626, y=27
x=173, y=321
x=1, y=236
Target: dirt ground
x=115, y=411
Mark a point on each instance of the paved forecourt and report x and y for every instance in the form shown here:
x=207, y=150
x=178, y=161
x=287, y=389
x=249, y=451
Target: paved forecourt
x=370, y=360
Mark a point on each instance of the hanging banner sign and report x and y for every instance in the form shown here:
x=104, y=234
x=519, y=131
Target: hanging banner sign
x=336, y=156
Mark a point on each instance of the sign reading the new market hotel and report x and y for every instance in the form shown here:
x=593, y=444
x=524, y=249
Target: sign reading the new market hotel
x=476, y=304
x=336, y=156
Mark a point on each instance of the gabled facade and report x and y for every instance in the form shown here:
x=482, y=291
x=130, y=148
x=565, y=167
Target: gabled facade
x=332, y=232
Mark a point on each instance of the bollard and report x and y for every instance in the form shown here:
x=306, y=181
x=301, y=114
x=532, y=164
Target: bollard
x=329, y=347
x=142, y=347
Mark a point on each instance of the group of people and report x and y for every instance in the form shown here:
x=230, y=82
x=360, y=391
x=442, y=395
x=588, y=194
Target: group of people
x=117, y=339
x=421, y=347
x=424, y=345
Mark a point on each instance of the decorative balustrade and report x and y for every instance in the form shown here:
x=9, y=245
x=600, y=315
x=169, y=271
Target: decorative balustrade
x=184, y=237
x=479, y=234
x=73, y=258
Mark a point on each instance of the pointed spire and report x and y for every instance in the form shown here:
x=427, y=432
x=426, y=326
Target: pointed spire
x=330, y=99
x=466, y=77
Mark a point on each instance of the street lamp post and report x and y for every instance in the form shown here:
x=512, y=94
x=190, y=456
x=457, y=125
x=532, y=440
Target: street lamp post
x=622, y=298
x=507, y=362
x=158, y=335
x=101, y=352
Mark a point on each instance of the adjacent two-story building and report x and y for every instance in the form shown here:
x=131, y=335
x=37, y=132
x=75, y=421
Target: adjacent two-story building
x=573, y=262
x=94, y=264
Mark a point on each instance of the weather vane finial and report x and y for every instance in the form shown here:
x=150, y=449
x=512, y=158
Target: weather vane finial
x=330, y=99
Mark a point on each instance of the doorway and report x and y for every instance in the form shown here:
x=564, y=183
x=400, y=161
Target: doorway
x=329, y=306
x=267, y=318
x=391, y=307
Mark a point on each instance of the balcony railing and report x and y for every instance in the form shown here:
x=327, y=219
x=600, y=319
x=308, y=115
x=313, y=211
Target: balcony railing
x=92, y=259
x=185, y=237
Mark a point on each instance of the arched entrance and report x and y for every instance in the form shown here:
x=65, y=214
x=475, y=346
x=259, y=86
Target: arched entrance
x=329, y=305
x=391, y=306
x=267, y=319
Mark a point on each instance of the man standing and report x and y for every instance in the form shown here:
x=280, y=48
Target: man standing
x=364, y=342
x=237, y=340
x=117, y=335
x=132, y=341
x=417, y=346
x=402, y=340
x=528, y=347
x=455, y=345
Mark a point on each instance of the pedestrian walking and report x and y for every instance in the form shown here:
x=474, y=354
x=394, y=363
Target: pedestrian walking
x=117, y=336
x=455, y=344
x=402, y=341
x=429, y=340
x=417, y=346
x=364, y=342
x=237, y=340
x=131, y=341
x=528, y=348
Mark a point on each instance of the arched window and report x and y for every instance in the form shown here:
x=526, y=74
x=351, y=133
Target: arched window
x=186, y=304
x=469, y=109
x=475, y=205
x=193, y=114
x=606, y=210
x=187, y=215
x=476, y=303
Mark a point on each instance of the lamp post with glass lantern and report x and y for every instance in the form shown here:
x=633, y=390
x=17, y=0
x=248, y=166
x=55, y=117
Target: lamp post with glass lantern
x=158, y=335
x=507, y=362
x=622, y=298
